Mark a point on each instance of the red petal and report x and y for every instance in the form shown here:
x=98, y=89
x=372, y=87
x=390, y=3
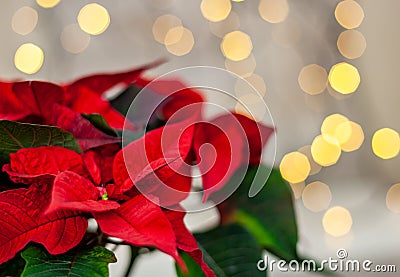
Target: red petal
x=84, y=95
x=87, y=135
x=236, y=140
x=179, y=95
x=100, y=83
x=22, y=220
x=156, y=162
x=99, y=162
x=29, y=99
x=29, y=164
x=142, y=223
x=72, y=191
x=186, y=241
x=219, y=153
x=257, y=135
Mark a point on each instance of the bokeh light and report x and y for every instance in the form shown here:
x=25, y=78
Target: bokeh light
x=215, y=10
x=356, y=138
x=325, y=150
x=316, y=196
x=163, y=24
x=297, y=189
x=386, y=143
x=344, y=78
x=337, y=221
x=174, y=35
x=29, y=58
x=93, y=19
x=313, y=79
x=24, y=20
x=393, y=198
x=243, y=68
x=330, y=125
x=351, y=44
x=315, y=168
x=74, y=40
x=349, y=14
x=236, y=46
x=273, y=11
x=47, y=3
x=295, y=167
x=229, y=24
x=184, y=45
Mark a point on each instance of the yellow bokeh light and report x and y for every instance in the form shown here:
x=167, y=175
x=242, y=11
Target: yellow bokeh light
x=330, y=125
x=315, y=168
x=47, y=3
x=393, y=198
x=316, y=196
x=29, y=58
x=74, y=40
x=344, y=78
x=273, y=11
x=93, y=19
x=297, y=189
x=229, y=24
x=184, y=45
x=251, y=105
x=174, y=35
x=325, y=150
x=215, y=10
x=163, y=24
x=313, y=79
x=236, y=46
x=243, y=68
x=337, y=221
x=386, y=143
x=295, y=167
x=356, y=138
x=351, y=44
x=349, y=14
x=24, y=20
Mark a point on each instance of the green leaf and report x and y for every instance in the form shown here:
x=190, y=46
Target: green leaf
x=13, y=267
x=124, y=100
x=269, y=216
x=100, y=123
x=15, y=135
x=230, y=250
x=194, y=270
x=84, y=262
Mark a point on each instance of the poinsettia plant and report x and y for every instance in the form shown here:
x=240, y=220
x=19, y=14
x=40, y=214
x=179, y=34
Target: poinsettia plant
x=65, y=161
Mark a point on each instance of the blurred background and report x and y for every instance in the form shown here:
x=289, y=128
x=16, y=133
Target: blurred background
x=326, y=69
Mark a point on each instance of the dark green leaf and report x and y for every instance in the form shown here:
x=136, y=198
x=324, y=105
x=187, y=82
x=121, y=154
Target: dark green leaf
x=100, y=123
x=230, y=250
x=84, y=263
x=194, y=270
x=123, y=101
x=13, y=267
x=15, y=135
x=269, y=216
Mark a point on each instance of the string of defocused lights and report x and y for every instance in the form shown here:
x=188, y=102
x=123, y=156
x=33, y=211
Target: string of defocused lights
x=92, y=19
x=341, y=80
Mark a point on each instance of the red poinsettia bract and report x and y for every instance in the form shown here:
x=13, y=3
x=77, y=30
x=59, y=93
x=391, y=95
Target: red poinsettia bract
x=123, y=189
